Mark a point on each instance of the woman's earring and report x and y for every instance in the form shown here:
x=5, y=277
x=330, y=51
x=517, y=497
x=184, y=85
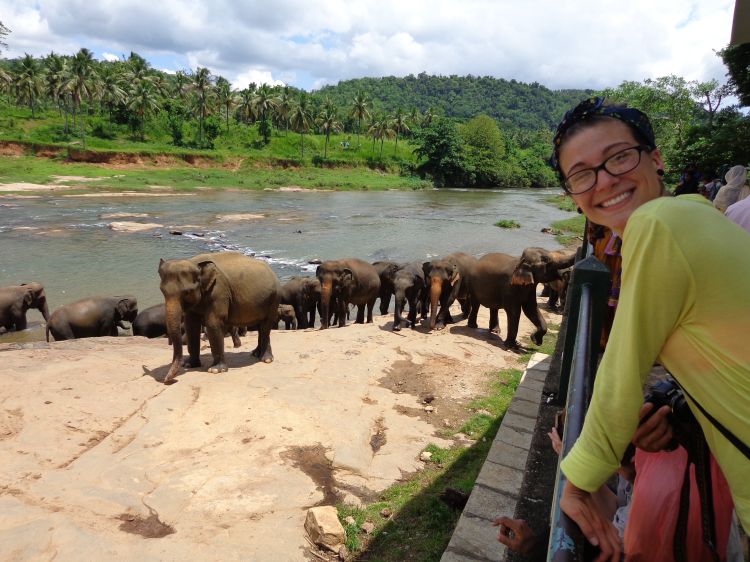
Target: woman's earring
x=659, y=172
x=580, y=211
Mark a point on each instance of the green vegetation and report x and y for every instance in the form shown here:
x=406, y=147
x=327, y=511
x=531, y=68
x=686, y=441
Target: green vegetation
x=562, y=202
x=507, y=223
x=569, y=232
x=411, y=522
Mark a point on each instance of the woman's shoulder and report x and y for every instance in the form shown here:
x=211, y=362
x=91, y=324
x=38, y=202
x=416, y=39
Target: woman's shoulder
x=675, y=208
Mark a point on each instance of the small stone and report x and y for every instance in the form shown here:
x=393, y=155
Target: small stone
x=325, y=529
x=385, y=513
x=447, y=422
x=176, y=232
x=484, y=412
x=48, y=402
x=428, y=399
x=343, y=552
x=425, y=456
x=349, y=520
x=368, y=527
x=429, y=408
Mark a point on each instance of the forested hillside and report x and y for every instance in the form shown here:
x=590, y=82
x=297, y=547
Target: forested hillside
x=513, y=104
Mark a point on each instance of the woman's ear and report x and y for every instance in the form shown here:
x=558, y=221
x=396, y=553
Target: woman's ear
x=657, y=160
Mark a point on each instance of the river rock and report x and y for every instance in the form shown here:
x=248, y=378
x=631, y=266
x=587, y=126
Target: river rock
x=127, y=226
x=240, y=217
x=123, y=215
x=325, y=529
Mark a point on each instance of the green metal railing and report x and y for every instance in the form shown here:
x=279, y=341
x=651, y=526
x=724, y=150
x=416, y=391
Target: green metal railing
x=586, y=303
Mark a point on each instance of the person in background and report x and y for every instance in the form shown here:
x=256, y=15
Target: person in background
x=683, y=301
x=736, y=188
x=740, y=213
x=689, y=181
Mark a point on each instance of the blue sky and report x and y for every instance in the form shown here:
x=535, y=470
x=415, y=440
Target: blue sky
x=308, y=43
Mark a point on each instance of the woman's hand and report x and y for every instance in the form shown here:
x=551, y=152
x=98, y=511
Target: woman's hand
x=655, y=433
x=598, y=530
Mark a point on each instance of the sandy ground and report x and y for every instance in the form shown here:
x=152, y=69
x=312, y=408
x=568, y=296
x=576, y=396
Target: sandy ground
x=99, y=461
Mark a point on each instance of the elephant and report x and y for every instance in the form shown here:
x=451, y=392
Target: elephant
x=218, y=291
x=447, y=279
x=151, y=322
x=491, y=286
x=558, y=289
x=386, y=270
x=303, y=294
x=538, y=265
x=287, y=314
x=349, y=281
x=91, y=317
x=408, y=285
x=15, y=300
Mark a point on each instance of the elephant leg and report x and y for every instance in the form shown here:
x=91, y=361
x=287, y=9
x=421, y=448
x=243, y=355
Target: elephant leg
x=370, y=307
x=494, y=323
x=263, y=351
x=216, y=340
x=531, y=310
x=514, y=315
x=235, y=337
x=412, y=317
x=311, y=322
x=301, y=315
x=193, y=337
x=360, y=314
x=64, y=332
x=472, y=323
x=20, y=322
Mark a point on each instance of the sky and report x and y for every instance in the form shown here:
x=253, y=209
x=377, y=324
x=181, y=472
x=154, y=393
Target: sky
x=310, y=43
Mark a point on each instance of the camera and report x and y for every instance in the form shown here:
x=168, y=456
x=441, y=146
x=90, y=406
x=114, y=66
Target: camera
x=668, y=393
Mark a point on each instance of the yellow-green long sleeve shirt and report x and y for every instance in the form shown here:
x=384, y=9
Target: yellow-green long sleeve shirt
x=684, y=300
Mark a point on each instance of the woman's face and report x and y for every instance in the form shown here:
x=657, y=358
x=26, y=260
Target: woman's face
x=612, y=199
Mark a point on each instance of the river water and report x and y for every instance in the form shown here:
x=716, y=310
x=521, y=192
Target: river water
x=65, y=243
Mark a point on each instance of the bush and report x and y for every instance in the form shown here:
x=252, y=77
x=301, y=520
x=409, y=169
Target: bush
x=507, y=223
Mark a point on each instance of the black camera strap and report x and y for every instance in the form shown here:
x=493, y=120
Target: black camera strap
x=724, y=431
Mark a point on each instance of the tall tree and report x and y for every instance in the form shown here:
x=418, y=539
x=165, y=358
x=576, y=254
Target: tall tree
x=55, y=80
x=246, y=105
x=284, y=107
x=737, y=60
x=264, y=104
x=110, y=89
x=399, y=125
x=143, y=101
x=381, y=129
x=82, y=81
x=328, y=123
x=28, y=82
x=226, y=97
x=202, y=88
x=360, y=110
x=301, y=118
x=4, y=31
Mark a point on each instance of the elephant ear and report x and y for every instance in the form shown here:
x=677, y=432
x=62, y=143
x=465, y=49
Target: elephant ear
x=28, y=299
x=125, y=307
x=318, y=271
x=456, y=276
x=522, y=275
x=208, y=275
x=426, y=268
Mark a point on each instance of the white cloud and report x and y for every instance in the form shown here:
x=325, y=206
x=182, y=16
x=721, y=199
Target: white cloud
x=255, y=75
x=110, y=57
x=587, y=43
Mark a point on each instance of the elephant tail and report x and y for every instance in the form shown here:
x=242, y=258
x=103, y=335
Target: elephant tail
x=46, y=332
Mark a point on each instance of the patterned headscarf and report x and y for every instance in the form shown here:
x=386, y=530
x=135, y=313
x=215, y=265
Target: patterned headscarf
x=635, y=118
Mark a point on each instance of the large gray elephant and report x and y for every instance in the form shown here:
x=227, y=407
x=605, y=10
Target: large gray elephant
x=386, y=270
x=151, y=322
x=408, y=286
x=15, y=300
x=447, y=279
x=347, y=281
x=91, y=317
x=538, y=265
x=218, y=291
x=491, y=286
x=303, y=294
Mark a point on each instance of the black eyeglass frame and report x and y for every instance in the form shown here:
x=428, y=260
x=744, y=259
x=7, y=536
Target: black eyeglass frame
x=603, y=166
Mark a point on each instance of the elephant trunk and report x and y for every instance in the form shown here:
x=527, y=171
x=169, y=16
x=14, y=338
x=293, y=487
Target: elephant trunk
x=42, y=306
x=174, y=322
x=436, y=288
x=326, y=289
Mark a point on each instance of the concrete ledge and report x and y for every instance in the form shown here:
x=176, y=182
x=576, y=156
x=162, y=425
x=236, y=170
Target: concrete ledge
x=498, y=485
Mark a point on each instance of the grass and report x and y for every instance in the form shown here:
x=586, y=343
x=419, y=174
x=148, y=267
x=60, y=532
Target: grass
x=569, y=231
x=507, y=223
x=419, y=525
x=562, y=202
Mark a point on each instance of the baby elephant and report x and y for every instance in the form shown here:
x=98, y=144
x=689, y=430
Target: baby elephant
x=287, y=314
x=92, y=317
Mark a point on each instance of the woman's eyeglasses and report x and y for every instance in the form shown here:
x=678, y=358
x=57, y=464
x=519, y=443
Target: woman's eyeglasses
x=618, y=164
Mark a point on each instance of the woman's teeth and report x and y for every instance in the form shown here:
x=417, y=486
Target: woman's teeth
x=615, y=200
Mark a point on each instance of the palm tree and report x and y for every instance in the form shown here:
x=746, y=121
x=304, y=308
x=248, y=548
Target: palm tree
x=328, y=122
x=202, y=87
x=360, y=110
x=301, y=118
x=83, y=79
x=381, y=129
x=181, y=83
x=399, y=125
x=142, y=102
x=264, y=103
x=284, y=107
x=55, y=79
x=428, y=116
x=246, y=104
x=226, y=97
x=28, y=82
x=110, y=89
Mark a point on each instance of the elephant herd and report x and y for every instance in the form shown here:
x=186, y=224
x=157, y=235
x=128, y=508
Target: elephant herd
x=226, y=292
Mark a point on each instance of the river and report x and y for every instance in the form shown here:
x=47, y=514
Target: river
x=65, y=243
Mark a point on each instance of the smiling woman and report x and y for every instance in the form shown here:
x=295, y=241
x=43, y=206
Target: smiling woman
x=683, y=302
